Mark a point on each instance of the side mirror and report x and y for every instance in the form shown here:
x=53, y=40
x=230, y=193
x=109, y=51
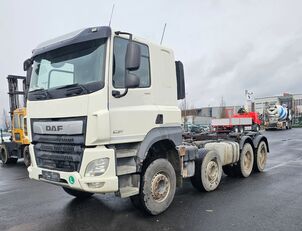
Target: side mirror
x=180, y=77
x=133, y=56
x=27, y=64
x=132, y=81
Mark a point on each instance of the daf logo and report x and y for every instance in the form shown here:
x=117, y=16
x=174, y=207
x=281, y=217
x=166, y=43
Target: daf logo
x=54, y=128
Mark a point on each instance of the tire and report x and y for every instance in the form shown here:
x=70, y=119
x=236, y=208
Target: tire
x=257, y=128
x=230, y=170
x=5, y=157
x=157, y=188
x=236, y=129
x=78, y=194
x=26, y=156
x=260, y=157
x=246, y=161
x=241, y=129
x=208, y=173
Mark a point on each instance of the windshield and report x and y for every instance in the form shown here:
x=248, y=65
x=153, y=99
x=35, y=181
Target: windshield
x=77, y=64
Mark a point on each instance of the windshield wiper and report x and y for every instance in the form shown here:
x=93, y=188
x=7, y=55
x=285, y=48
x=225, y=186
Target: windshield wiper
x=74, y=89
x=41, y=92
x=37, y=89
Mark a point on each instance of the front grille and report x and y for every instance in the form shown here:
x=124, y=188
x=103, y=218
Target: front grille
x=61, y=152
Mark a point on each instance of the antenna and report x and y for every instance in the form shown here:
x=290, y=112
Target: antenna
x=111, y=14
x=163, y=34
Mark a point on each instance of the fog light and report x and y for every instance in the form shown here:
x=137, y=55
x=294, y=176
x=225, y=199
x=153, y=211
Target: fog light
x=95, y=184
x=97, y=167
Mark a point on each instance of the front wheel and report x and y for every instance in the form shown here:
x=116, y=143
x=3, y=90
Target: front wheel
x=207, y=173
x=77, y=193
x=5, y=156
x=157, y=189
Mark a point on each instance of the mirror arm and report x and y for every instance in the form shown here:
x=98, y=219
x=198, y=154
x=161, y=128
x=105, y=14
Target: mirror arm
x=117, y=94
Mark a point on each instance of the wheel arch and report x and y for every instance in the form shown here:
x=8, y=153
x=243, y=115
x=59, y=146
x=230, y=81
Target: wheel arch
x=244, y=140
x=257, y=141
x=161, y=143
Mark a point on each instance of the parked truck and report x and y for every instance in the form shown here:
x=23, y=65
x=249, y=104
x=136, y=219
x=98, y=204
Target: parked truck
x=103, y=117
x=239, y=122
x=17, y=146
x=278, y=117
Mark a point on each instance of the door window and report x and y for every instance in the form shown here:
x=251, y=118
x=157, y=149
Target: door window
x=119, y=53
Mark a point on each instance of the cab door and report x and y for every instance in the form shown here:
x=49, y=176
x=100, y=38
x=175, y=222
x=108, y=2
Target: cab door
x=134, y=114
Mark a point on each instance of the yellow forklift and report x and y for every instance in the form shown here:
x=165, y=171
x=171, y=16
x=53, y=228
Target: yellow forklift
x=17, y=147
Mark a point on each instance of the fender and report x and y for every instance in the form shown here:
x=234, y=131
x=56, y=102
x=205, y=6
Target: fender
x=173, y=134
x=258, y=139
x=245, y=139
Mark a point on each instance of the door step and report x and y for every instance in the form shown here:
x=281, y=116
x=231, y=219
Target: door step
x=125, y=169
x=123, y=153
x=128, y=191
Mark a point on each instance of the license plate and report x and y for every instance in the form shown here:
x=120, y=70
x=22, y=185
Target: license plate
x=51, y=176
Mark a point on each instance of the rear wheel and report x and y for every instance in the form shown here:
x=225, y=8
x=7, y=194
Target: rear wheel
x=260, y=157
x=26, y=156
x=207, y=173
x=246, y=161
x=5, y=156
x=77, y=193
x=257, y=127
x=157, y=190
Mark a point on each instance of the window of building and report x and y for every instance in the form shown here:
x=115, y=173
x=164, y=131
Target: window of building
x=119, y=52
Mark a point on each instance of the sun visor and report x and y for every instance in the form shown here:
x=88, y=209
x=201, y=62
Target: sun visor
x=78, y=36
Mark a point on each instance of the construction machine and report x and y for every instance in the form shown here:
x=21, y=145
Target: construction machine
x=17, y=146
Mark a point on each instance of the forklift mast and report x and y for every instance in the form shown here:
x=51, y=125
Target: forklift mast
x=14, y=92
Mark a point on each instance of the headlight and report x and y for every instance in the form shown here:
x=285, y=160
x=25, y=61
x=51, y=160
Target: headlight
x=97, y=167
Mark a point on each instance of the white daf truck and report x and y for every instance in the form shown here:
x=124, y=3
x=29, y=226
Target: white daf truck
x=103, y=117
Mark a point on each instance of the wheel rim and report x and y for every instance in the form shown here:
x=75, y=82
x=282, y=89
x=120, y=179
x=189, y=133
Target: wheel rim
x=247, y=161
x=262, y=156
x=160, y=186
x=212, y=172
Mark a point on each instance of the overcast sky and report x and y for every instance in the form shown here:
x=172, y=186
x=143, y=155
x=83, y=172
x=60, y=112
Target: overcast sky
x=226, y=46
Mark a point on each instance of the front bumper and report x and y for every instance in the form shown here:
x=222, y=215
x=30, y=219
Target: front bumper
x=108, y=182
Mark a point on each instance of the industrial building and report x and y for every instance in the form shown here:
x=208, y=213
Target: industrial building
x=204, y=115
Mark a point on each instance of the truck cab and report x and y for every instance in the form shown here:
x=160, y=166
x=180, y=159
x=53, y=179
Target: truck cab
x=86, y=126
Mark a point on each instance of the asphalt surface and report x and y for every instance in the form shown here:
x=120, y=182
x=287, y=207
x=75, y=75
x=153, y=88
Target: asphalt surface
x=267, y=201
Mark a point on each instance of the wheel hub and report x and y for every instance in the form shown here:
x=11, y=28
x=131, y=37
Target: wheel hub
x=212, y=171
x=160, y=187
x=262, y=157
x=247, y=160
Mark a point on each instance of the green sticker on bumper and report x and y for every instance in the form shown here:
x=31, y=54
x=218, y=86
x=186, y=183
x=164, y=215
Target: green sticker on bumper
x=71, y=180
